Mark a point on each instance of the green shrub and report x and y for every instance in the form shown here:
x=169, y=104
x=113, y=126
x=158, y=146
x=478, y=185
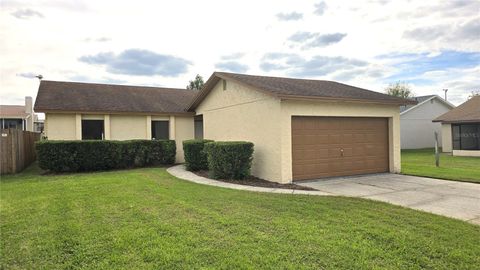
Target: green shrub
x=195, y=156
x=229, y=160
x=74, y=156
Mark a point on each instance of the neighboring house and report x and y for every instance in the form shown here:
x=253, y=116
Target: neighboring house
x=19, y=116
x=302, y=129
x=416, y=126
x=461, y=129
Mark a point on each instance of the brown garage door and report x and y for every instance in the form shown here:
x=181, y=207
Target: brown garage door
x=338, y=146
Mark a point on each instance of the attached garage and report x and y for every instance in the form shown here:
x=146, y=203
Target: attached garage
x=338, y=146
x=303, y=129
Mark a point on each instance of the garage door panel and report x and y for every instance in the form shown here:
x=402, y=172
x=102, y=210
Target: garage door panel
x=317, y=143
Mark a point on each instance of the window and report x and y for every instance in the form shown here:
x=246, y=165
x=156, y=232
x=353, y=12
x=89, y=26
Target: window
x=160, y=130
x=12, y=123
x=198, y=127
x=92, y=130
x=224, y=84
x=466, y=136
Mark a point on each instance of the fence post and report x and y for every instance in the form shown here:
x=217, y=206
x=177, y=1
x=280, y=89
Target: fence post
x=437, y=155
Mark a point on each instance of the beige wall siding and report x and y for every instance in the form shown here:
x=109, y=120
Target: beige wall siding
x=119, y=127
x=446, y=138
x=60, y=126
x=128, y=127
x=291, y=108
x=417, y=128
x=243, y=114
x=183, y=131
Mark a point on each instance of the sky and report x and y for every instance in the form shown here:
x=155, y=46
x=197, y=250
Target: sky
x=429, y=45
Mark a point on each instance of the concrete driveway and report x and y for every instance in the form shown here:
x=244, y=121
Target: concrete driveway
x=449, y=198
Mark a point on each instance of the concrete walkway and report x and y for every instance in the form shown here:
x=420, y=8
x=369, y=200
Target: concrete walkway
x=180, y=172
x=448, y=198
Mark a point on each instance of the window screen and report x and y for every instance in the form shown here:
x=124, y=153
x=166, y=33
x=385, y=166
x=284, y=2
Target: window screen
x=160, y=130
x=92, y=130
x=466, y=136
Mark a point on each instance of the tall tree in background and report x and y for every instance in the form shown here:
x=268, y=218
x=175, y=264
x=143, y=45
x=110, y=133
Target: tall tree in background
x=196, y=84
x=399, y=89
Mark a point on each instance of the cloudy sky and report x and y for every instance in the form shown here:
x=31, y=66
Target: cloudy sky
x=431, y=45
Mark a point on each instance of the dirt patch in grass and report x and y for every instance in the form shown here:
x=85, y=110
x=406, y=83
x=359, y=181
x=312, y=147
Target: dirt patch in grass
x=256, y=182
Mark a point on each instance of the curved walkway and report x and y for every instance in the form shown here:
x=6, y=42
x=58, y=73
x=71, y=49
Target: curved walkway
x=179, y=171
x=447, y=198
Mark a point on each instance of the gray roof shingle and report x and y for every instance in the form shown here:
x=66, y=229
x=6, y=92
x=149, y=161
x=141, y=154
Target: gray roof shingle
x=92, y=97
x=298, y=88
x=468, y=111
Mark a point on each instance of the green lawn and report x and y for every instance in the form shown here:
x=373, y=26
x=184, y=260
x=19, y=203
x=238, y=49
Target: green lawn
x=422, y=162
x=147, y=219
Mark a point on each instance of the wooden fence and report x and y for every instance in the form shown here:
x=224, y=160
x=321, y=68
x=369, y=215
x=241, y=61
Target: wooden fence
x=17, y=150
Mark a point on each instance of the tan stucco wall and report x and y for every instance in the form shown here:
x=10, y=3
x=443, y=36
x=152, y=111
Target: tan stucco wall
x=183, y=131
x=60, y=126
x=446, y=138
x=119, y=127
x=291, y=108
x=243, y=114
x=128, y=127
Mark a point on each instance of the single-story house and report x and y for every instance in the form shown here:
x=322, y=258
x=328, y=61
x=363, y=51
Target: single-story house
x=461, y=129
x=80, y=111
x=20, y=117
x=416, y=126
x=302, y=129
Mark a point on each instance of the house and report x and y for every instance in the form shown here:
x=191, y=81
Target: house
x=20, y=117
x=461, y=129
x=81, y=111
x=416, y=126
x=302, y=129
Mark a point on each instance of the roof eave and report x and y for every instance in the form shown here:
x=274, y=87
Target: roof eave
x=456, y=121
x=43, y=110
x=425, y=101
x=369, y=101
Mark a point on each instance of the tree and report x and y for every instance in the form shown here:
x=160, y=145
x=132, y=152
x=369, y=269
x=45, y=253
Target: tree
x=474, y=94
x=196, y=84
x=399, y=89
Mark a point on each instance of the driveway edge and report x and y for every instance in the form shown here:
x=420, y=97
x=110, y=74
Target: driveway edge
x=179, y=171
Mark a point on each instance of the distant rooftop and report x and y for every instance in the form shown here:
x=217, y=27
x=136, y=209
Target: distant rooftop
x=12, y=111
x=468, y=111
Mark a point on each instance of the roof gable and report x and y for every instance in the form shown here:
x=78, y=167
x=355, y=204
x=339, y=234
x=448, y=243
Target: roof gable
x=424, y=100
x=90, y=97
x=290, y=88
x=468, y=111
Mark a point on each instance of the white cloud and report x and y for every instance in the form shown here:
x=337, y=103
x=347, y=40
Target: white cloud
x=208, y=30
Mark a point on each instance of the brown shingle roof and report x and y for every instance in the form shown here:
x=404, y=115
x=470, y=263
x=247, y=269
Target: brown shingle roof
x=290, y=88
x=7, y=111
x=469, y=111
x=90, y=97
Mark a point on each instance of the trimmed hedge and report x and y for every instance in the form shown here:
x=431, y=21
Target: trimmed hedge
x=75, y=156
x=229, y=160
x=195, y=156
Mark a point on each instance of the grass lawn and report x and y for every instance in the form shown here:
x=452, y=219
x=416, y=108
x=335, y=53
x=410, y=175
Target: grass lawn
x=147, y=219
x=422, y=162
